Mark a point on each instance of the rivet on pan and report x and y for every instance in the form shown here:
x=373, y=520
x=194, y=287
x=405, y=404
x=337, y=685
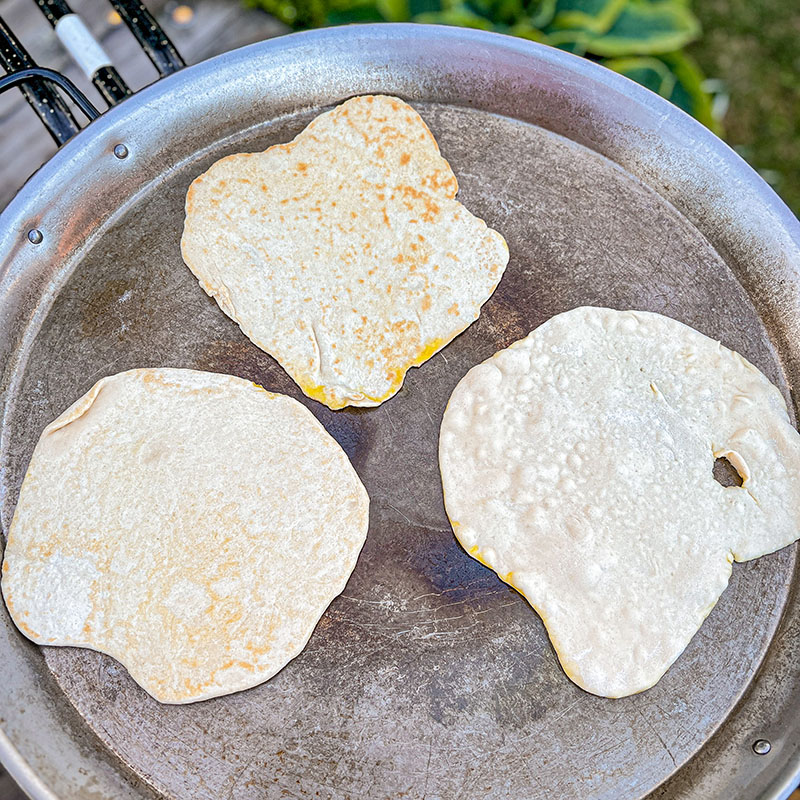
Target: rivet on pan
x=35, y=236
x=761, y=747
x=120, y=151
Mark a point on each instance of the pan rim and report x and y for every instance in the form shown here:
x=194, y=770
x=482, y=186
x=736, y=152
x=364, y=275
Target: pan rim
x=48, y=177
x=398, y=30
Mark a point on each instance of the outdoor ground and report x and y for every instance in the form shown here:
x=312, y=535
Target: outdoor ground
x=754, y=47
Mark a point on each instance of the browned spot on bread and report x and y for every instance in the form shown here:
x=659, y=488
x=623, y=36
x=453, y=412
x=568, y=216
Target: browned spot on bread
x=22, y=625
x=348, y=155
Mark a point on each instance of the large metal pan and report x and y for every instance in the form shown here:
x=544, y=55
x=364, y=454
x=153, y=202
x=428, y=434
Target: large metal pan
x=428, y=677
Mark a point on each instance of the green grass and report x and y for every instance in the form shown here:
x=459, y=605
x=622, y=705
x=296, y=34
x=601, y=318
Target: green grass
x=754, y=47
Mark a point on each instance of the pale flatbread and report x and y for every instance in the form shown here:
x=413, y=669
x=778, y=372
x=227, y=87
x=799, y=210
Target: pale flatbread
x=577, y=464
x=191, y=525
x=343, y=253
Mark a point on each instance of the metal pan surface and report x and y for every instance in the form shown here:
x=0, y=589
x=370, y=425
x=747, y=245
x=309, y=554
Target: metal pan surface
x=428, y=677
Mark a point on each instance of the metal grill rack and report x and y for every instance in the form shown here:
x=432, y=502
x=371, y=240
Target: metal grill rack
x=39, y=85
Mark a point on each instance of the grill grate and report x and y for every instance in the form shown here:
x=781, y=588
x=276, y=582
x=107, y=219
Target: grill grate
x=38, y=84
x=96, y=65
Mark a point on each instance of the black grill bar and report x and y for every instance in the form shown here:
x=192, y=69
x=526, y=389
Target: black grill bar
x=22, y=76
x=150, y=35
x=40, y=85
x=78, y=40
x=52, y=110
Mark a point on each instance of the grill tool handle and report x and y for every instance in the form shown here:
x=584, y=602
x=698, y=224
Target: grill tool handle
x=52, y=110
x=37, y=82
x=22, y=77
x=85, y=50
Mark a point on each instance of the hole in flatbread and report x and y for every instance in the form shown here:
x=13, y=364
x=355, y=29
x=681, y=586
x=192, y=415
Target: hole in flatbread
x=725, y=473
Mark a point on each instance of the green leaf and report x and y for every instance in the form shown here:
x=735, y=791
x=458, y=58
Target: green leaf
x=543, y=14
x=689, y=93
x=647, y=28
x=571, y=41
x=361, y=13
x=483, y=8
x=423, y=6
x=674, y=76
x=461, y=17
x=576, y=47
x=650, y=72
x=506, y=12
x=393, y=10
x=638, y=38
x=593, y=16
x=298, y=14
x=526, y=30
x=500, y=12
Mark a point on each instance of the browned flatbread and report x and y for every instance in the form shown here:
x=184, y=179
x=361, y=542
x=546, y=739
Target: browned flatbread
x=191, y=525
x=344, y=253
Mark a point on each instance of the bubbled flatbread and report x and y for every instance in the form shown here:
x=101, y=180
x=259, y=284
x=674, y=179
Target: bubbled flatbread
x=343, y=253
x=191, y=525
x=577, y=464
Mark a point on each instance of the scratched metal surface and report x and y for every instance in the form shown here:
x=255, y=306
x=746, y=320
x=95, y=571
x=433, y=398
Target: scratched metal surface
x=428, y=677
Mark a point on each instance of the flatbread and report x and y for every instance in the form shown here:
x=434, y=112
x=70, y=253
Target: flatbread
x=191, y=525
x=577, y=464
x=343, y=253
